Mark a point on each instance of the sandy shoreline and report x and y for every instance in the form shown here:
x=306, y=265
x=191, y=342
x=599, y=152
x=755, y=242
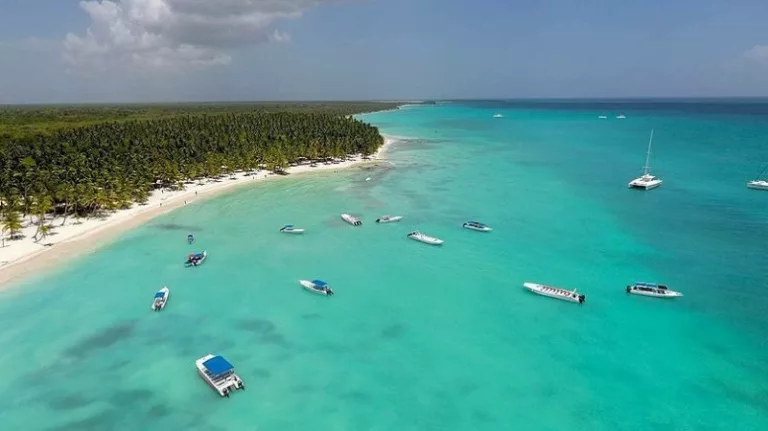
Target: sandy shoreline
x=24, y=257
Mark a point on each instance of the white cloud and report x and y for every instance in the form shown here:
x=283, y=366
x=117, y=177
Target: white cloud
x=757, y=53
x=175, y=35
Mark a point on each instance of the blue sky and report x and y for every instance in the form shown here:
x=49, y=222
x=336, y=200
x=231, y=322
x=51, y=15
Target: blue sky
x=188, y=50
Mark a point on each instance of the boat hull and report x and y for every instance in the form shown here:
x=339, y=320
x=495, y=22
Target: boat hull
x=758, y=185
x=199, y=262
x=644, y=185
x=354, y=221
x=426, y=239
x=388, y=220
x=554, y=292
x=667, y=294
x=166, y=295
x=308, y=285
x=223, y=386
x=292, y=231
x=477, y=228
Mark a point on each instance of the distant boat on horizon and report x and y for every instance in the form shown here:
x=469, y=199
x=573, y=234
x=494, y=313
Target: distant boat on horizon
x=603, y=117
x=646, y=181
x=498, y=116
x=621, y=116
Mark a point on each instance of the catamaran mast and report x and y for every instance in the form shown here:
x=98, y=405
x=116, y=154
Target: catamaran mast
x=761, y=173
x=648, y=156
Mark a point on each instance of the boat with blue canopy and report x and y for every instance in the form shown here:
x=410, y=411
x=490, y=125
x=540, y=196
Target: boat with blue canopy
x=317, y=286
x=476, y=225
x=219, y=374
x=289, y=228
x=196, y=259
x=654, y=290
x=160, y=299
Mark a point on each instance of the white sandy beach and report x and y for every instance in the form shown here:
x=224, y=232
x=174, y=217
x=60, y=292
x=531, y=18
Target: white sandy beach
x=22, y=257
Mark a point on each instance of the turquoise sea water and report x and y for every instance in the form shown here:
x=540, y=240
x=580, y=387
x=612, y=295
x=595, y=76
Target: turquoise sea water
x=426, y=338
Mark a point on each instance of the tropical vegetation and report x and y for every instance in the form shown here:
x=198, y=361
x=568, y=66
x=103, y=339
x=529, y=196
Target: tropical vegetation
x=47, y=168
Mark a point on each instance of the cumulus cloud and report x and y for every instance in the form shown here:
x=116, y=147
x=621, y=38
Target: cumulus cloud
x=757, y=53
x=175, y=34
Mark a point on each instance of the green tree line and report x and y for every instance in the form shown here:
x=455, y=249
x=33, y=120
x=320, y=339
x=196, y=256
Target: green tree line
x=85, y=170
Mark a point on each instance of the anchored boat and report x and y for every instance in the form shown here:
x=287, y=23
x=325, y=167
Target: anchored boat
x=161, y=298
x=317, y=286
x=646, y=181
x=196, y=259
x=652, y=289
x=555, y=292
x=476, y=225
x=354, y=221
x=290, y=229
x=190, y=238
x=388, y=219
x=426, y=239
x=219, y=374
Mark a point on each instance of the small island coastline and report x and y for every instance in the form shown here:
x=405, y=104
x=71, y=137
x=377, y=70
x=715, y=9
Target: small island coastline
x=23, y=257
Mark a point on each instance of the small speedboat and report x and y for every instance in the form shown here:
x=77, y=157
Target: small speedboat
x=555, y=292
x=290, y=229
x=652, y=289
x=190, y=238
x=161, y=298
x=317, y=286
x=196, y=259
x=388, y=219
x=476, y=225
x=603, y=117
x=621, y=116
x=426, y=239
x=219, y=374
x=354, y=221
x=498, y=116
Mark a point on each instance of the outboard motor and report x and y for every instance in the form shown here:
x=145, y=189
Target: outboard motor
x=378, y=220
x=628, y=289
x=582, y=298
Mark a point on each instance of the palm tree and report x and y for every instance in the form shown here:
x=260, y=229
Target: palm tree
x=12, y=223
x=43, y=232
x=43, y=205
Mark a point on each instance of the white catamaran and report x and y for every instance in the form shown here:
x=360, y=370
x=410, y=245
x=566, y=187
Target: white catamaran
x=646, y=181
x=757, y=183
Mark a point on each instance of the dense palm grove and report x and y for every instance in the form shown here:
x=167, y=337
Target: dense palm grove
x=86, y=170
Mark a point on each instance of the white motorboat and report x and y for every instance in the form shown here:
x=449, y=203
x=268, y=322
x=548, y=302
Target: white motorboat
x=161, y=298
x=354, y=221
x=555, y=292
x=621, y=116
x=476, y=225
x=219, y=374
x=317, y=286
x=290, y=229
x=652, y=289
x=426, y=239
x=603, y=117
x=388, y=219
x=196, y=259
x=498, y=116
x=646, y=181
x=757, y=183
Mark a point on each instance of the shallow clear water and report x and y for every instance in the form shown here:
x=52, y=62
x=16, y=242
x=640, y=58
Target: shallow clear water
x=421, y=337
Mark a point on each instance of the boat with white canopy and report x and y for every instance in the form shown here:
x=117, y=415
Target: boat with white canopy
x=654, y=290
